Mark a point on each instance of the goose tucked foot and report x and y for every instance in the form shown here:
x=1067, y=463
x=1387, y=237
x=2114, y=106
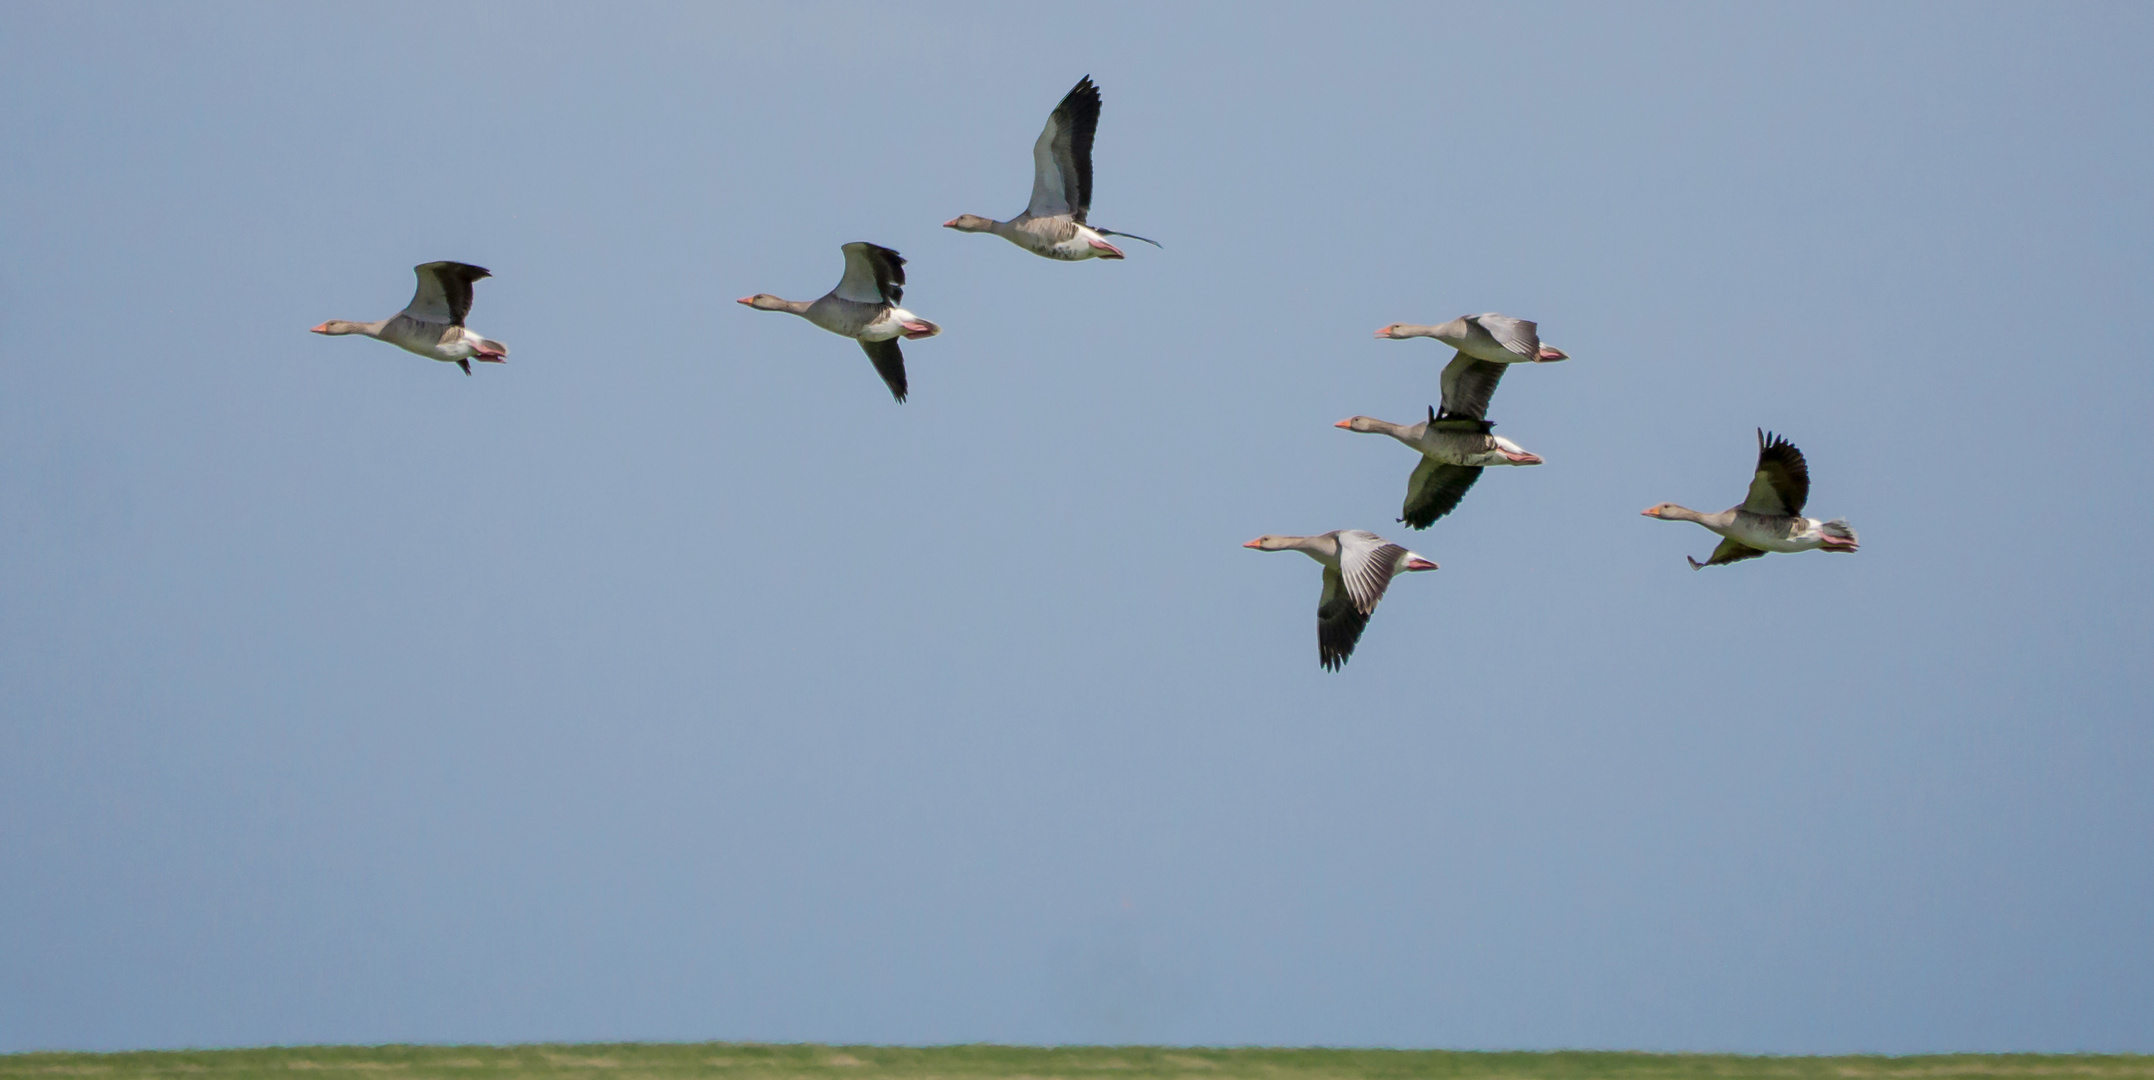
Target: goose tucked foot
x=1522, y=458
x=920, y=328
x=1106, y=250
x=1550, y=354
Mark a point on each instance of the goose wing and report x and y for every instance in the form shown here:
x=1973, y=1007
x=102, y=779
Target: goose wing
x=1467, y=385
x=1782, y=483
x=1339, y=622
x=1062, y=158
x=889, y=363
x=1434, y=490
x=1517, y=336
x=1728, y=551
x=873, y=275
x=444, y=294
x=1367, y=562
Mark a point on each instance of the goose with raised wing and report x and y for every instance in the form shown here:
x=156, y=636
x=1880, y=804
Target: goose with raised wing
x=1455, y=445
x=1498, y=339
x=1770, y=517
x=1358, y=567
x=432, y=325
x=864, y=307
x=1053, y=224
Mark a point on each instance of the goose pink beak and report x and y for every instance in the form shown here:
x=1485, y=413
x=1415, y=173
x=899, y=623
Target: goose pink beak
x=950, y=224
x=1383, y=331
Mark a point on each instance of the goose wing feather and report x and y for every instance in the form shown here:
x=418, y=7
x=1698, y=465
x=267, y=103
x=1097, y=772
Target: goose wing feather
x=1339, y=622
x=444, y=294
x=1517, y=336
x=1782, y=483
x=889, y=363
x=873, y=275
x=1062, y=157
x=1467, y=385
x=1435, y=490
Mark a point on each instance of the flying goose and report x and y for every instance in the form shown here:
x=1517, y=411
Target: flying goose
x=1053, y=225
x=1358, y=567
x=432, y=325
x=1454, y=444
x=1770, y=518
x=1498, y=339
x=864, y=307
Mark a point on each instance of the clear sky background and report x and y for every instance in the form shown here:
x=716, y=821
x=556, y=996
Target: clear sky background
x=671, y=682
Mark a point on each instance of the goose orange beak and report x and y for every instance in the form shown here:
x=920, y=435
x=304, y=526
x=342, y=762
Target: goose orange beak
x=322, y=329
x=1650, y=511
x=1254, y=542
x=1344, y=423
x=750, y=300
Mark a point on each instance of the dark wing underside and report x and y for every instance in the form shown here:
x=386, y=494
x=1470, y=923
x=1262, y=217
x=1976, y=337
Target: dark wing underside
x=1782, y=483
x=1434, y=490
x=890, y=364
x=1338, y=623
x=1729, y=551
x=1467, y=385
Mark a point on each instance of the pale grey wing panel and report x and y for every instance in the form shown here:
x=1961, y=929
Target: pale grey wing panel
x=431, y=302
x=1366, y=563
x=1062, y=158
x=1467, y=385
x=1517, y=336
x=444, y=293
x=1050, y=187
x=873, y=275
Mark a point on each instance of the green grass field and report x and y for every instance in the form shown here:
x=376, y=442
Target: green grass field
x=750, y=1061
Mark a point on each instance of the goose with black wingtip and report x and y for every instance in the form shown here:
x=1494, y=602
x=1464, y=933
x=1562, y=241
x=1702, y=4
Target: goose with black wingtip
x=864, y=307
x=1053, y=225
x=1455, y=444
x=1358, y=567
x=1770, y=516
x=432, y=325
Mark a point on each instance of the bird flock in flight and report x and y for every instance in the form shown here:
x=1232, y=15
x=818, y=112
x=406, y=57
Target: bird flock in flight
x=1455, y=442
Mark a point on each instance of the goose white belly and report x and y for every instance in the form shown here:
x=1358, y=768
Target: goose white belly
x=435, y=341
x=1773, y=533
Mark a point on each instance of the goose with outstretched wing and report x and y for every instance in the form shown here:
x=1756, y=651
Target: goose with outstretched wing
x=1455, y=444
x=1053, y=224
x=864, y=307
x=432, y=325
x=1358, y=567
x=1770, y=517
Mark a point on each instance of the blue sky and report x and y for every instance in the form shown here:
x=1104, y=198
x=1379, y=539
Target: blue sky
x=670, y=682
